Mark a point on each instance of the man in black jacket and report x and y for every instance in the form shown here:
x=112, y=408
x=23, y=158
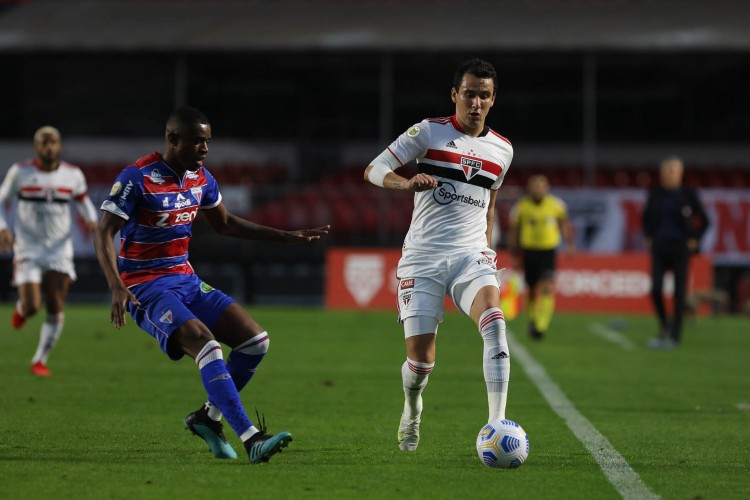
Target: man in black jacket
x=674, y=222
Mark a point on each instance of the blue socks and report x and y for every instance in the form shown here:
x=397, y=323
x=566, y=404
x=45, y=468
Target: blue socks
x=221, y=387
x=245, y=358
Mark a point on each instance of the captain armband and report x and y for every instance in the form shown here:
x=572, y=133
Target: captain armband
x=380, y=168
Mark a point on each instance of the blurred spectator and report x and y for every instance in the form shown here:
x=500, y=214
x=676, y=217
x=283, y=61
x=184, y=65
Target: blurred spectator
x=673, y=222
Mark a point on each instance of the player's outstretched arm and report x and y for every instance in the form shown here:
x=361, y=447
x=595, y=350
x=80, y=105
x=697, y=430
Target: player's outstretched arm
x=229, y=224
x=106, y=230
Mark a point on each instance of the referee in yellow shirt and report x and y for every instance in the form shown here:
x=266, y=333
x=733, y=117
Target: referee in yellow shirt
x=538, y=222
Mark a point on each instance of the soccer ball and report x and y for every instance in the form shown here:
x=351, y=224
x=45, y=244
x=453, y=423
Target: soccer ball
x=502, y=445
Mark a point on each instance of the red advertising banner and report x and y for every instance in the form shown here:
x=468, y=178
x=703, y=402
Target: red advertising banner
x=365, y=278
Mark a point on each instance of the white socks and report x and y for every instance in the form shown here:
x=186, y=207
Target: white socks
x=495, y=361
x=414, y=375
x=48, y=335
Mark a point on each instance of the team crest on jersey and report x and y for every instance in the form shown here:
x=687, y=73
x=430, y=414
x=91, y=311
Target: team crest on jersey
x=471, y=167
x=156, y=177
x=166, y=317
x=206, y=288
x=413, y=132
x=197, y=194
x=115, y=188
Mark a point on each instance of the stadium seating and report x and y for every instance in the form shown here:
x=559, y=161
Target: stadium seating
x=362, y=214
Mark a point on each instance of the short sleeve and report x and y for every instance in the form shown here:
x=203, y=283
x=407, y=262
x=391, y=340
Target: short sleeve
x=211, y=195
x=8, y=187
x=505, y=166
x=125, y=193
x=412, y=144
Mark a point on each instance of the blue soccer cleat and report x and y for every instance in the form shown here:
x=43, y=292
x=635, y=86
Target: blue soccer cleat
x=210, y=431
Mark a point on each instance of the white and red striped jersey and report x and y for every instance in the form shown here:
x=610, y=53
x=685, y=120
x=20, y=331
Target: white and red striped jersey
x=453, y=216
x=42, y=222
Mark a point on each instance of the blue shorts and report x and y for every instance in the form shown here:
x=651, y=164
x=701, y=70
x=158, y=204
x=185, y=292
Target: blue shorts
x=169, y=301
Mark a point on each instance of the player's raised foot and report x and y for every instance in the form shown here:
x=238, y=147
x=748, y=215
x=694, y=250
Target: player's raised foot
x=199, y=423
x=261, y=446
x=40, y=370
x=17, y=321
x=408, y=433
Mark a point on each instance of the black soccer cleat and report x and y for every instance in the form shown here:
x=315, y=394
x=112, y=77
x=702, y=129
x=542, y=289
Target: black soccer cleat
x=200, y=424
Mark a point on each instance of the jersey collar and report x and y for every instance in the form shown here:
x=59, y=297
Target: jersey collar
x=457, y=126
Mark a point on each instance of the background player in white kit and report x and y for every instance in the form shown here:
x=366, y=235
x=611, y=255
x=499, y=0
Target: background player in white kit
x=43, y=246
x=461, y=165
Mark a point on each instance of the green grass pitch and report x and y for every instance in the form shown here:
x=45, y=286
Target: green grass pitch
x=108, y=424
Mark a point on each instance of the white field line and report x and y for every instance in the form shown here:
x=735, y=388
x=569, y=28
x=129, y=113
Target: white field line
x=625, y=480
x=611, y=335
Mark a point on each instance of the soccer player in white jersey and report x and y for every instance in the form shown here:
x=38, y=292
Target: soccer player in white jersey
x=43, y=248
x=461, y=164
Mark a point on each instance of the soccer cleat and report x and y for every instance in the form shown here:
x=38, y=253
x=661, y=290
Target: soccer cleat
x=663, y=344
x=210, y=431
x=261, y=447
x=408, y=433
x=534, y=333
x=40, y=370
x=17, y=320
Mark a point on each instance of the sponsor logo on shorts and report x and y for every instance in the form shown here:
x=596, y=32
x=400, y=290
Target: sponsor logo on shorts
x=445, y=194
x=406, y=283
x=206, y=288
x=486, y=261
x=166, y=317
x=115, y=188
x=405, y=292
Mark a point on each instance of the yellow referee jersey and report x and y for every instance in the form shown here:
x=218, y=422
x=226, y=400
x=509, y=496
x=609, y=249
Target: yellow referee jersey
x=538, y=223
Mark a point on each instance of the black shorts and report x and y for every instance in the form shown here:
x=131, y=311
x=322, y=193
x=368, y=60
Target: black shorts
x=538, y=265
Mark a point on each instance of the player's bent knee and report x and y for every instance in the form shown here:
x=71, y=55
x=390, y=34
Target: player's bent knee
x=191, y=337
x=257, y=345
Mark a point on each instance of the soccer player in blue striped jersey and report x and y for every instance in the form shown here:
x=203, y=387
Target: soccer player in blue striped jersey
x=152, y=205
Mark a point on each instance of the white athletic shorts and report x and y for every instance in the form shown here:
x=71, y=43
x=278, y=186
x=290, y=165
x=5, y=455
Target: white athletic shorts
x=425, y=279
x=30, y=270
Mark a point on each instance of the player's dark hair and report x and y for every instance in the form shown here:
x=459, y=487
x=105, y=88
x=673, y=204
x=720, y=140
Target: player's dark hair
x=477, y=67
x=185, y=116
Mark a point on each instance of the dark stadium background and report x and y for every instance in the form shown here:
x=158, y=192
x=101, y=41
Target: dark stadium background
x=301, y=94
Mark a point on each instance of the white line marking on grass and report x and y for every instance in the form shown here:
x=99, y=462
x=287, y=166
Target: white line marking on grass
x=625, y=480
x=611, y=335
x=743, y=406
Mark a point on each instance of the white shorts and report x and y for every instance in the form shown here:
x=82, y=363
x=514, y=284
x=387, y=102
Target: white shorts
x=27, y=270
x=425, y=279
